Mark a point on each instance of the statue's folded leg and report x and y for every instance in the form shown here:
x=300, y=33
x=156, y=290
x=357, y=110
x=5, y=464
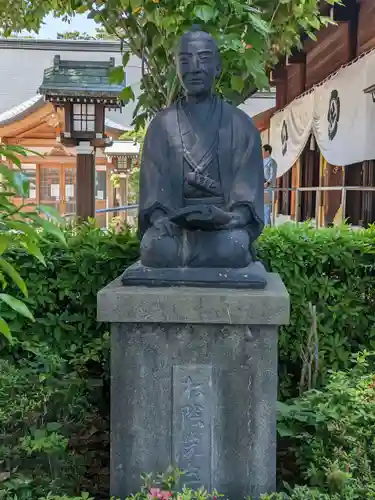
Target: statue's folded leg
x=160, y=250
x=218, y=249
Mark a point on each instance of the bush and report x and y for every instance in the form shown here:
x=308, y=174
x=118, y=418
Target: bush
x=332, y=269
x=40, y=407
x=331, y=432
x=62, y=293
x=54, y=378
x=21, y=227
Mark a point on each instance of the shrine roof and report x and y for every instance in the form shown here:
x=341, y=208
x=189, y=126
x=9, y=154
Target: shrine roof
x=26, y=108
x=80, y=78
x=21, y=110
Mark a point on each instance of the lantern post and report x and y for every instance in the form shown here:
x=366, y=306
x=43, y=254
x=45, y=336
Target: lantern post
x=83, y=90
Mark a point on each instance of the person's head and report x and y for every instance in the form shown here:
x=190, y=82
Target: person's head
x=197, y=61
x=267, y=151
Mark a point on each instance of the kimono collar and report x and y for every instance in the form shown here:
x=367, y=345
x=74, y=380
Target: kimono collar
x=199, y=134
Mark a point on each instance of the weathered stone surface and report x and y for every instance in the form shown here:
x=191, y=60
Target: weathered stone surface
x=198, y=394
x=270, y=306
x=253, y=276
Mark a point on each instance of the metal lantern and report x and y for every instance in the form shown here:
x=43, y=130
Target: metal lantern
x=84, y=91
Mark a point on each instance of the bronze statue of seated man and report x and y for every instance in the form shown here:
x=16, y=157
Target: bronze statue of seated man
x=201, y=181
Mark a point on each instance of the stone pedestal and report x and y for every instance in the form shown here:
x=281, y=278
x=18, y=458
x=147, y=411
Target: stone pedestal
x=194, y=384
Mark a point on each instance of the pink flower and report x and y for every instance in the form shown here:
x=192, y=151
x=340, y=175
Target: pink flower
x=154, y=493
x=157, y=493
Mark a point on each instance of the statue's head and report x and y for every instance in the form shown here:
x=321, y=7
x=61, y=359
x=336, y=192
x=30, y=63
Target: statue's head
x=198, y=62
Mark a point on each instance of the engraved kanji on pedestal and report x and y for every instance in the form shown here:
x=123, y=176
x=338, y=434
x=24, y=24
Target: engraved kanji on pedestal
x=192, y=423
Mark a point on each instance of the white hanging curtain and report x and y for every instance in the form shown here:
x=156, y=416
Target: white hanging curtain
x=290, y=130
x=344, y=116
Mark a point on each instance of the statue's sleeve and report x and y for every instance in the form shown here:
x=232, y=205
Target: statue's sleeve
x=152, y=182
x=248, y=173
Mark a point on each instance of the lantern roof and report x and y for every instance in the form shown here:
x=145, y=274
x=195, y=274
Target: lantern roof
x=80, y=79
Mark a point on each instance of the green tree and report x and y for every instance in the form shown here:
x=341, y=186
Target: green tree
x=74, y=35
x=251, y=37
x=19, y=15
x=136, y=136
x=100, y=34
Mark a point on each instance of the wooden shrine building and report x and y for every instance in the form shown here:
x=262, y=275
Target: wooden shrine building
x=322, y=128
x=67, y=134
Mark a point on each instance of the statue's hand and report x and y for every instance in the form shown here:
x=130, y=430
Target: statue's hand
x=239, y=219
x=165, y=226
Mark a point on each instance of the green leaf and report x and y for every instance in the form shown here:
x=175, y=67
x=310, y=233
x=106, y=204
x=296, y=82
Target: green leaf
x=8, y=173
x=4, y=242
x=23, y=227
x=51, y=212
x=254, y=9
x=259, y=24
x=49, y=227
x=33, y=249
x=17, y=149
x=315, y=23
x=11, y=156
x=4, y=329
x=284, y=431
x=312, y=36
x=16, y=305
x=117, y=75
x=127, y=95
x=237, y=83
x=125, y=58
x=14, y=275
x=53, y=426
x=16, y=178
x=205, y=12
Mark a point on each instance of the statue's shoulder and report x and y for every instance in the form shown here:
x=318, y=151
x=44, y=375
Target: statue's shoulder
x=164, y=117
x=238, y=116
x=240, y=119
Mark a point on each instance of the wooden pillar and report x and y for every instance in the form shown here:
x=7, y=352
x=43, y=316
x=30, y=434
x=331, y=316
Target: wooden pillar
x=85, y=181
x=353, y=177
x=123, y=197
x=110, y=194
x=322, y=194
x=281, y=94
x=333, y=176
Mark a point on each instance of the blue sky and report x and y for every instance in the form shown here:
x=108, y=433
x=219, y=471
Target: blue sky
x=53, y=26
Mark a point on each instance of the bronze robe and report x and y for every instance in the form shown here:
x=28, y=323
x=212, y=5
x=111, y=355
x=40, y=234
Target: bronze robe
x=240, y=165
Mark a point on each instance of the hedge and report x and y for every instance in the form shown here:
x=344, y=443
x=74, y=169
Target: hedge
x=66, y=350
x=333, y=269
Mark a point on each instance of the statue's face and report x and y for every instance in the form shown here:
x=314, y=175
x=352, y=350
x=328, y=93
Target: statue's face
x=197, y=64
